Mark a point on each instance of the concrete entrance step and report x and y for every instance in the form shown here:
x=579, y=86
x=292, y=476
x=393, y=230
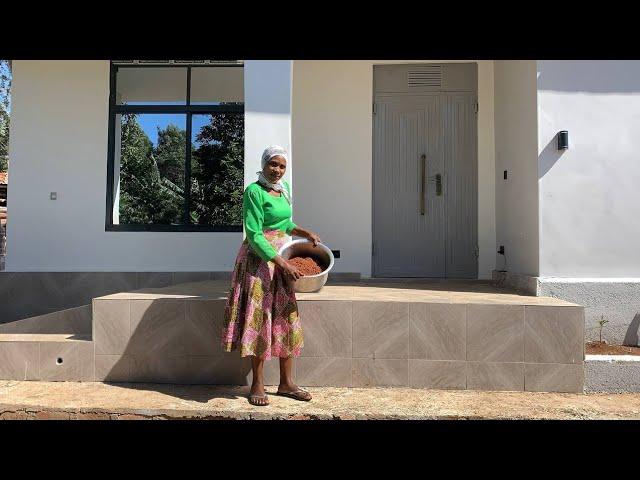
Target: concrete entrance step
x=434, y=335
x=66, y=400
x=444, y=335
x=50, y=357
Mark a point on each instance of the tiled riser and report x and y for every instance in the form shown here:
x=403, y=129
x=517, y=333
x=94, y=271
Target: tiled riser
x=352, y=343
x=451, y=346
x=47, y=361
x=347, y=343
x=165, y=341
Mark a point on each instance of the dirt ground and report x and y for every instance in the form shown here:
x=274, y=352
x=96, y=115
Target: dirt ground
x=603, y=348
x=88, y=400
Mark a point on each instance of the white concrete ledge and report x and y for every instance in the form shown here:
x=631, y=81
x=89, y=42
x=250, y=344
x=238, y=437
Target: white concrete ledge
x=612, y=358
x=588, y=279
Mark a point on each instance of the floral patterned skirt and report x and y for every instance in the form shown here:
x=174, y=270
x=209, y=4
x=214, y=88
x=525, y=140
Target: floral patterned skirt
x=261, y=316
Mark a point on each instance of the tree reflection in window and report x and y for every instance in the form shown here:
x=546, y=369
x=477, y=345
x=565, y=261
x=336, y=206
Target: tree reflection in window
x=217, y=169
x=151, y=178
x=176, y=152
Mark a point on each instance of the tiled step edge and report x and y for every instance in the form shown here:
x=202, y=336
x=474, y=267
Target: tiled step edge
x=52, y=357
x=75, y=320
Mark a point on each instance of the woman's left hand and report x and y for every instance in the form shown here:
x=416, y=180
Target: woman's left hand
x=314, y=238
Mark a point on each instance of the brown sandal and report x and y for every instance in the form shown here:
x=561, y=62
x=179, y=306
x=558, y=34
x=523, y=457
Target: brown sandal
x=299, y=394
x=252, y=400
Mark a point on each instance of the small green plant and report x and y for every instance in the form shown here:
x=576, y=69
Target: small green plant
x=602, y=323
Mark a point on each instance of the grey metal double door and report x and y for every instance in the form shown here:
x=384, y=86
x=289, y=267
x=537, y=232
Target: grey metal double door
x=425, y=185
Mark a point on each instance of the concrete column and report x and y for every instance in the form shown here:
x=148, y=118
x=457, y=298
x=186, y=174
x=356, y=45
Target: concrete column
x=267, y=103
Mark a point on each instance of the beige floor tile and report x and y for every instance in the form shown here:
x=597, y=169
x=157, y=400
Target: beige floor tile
x=67, y=361
x=437, y=374
x=554, y=377
x=554, y=334
x=19, y=361
x=160, y=368
x=111, y=328
x=157, y=328
x=113, y=368
x=323, y=371
x=203, y=327
x=327, y=328
x=380, y=330
x=495, y=376
x=495, y=333
x=381, y=372
x=437, y=331
x=224, y=369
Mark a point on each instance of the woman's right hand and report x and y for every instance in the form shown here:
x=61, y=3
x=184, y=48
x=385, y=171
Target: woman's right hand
x=289, y=270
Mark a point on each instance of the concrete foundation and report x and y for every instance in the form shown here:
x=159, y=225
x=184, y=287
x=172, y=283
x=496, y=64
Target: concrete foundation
x=615, y=300
x=612, y=373
x=28, y=294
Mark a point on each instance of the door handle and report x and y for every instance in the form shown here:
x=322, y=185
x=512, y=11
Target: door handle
x=423, y=168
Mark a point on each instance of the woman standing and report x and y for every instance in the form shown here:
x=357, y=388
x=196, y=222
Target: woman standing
x=261, y=316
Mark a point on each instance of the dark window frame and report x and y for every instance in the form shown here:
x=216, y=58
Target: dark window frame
x=189, y=110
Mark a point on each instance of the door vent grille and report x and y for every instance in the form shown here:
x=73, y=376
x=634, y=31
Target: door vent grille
x=178, y=62
x=425, y=76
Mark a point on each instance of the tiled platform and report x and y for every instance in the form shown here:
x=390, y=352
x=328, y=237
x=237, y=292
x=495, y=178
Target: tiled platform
x=439, y=334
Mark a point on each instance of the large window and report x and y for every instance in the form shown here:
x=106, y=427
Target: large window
x=176, y=146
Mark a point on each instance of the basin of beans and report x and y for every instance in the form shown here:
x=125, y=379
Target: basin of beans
x=306, y=265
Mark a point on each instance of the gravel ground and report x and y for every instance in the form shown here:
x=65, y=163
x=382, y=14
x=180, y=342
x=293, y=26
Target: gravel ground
x=89, y=400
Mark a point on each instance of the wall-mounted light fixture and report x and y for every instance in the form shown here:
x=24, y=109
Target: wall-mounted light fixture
x=563, y=140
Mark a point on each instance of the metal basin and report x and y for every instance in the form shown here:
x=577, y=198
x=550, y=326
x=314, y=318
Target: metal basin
x=320, y=253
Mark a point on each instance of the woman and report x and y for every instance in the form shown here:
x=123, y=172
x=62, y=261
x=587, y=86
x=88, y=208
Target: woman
x=261, y=317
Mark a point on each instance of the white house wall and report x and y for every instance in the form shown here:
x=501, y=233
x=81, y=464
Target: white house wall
x=516, y=151
x=589, y=194
x=331, y=134
x=58, y=143
x=332, y=145
x=267, y=114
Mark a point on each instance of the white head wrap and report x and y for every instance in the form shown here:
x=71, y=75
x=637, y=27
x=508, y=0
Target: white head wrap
x=267, y=155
